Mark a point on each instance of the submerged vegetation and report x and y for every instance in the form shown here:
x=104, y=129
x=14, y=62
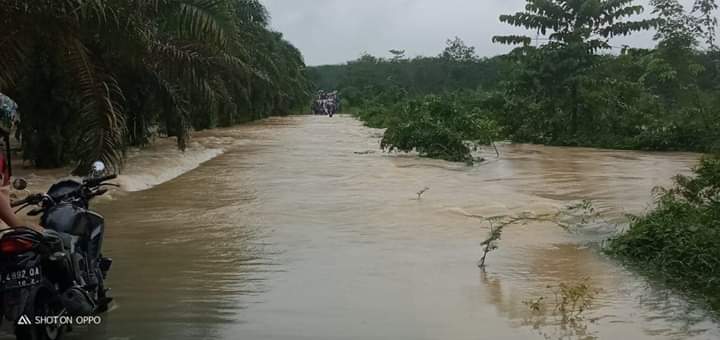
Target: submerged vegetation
x=439, y=127
x=491, y=242
x=680, y=239
x=93, y=77
x=565, y=311
x=571, y=217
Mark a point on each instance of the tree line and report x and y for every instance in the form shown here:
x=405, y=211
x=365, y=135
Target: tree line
x=570, y=86
x=568, y=89
x=93, y=77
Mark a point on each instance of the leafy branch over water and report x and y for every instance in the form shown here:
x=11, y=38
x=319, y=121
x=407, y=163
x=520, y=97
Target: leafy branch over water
x=571, y=216
x=491, y=243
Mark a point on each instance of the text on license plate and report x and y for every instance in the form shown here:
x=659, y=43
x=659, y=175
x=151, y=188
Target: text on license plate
x=20, y=278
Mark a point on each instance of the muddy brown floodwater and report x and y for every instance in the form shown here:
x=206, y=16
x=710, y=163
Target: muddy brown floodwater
x=298, y=228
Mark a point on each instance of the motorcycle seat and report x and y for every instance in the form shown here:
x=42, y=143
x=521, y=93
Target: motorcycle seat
x=68, y=241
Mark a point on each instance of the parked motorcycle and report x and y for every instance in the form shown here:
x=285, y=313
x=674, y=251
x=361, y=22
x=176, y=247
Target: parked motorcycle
x=61, y=271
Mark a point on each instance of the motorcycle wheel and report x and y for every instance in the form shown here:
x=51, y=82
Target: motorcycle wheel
x=45, y=303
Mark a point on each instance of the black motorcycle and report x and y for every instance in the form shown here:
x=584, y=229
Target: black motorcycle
x=59, y=274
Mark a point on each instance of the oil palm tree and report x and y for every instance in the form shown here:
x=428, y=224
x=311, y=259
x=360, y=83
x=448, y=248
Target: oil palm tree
x=166, y=62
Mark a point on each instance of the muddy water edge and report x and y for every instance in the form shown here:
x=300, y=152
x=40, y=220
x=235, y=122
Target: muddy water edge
x=299, y=228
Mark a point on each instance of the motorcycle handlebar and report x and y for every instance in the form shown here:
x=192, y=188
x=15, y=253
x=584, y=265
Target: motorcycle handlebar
x=32, y=199
x=37, y=198
x=15, y=204
x=97, y=181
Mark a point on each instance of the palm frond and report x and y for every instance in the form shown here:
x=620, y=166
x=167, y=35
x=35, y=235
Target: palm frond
x=100, y=111
x=201, y=19
x=13, y=52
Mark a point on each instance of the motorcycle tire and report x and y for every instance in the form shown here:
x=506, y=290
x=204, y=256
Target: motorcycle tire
x=45, y=303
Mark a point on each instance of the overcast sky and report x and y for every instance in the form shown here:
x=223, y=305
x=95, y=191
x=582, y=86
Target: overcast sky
x=335, y=31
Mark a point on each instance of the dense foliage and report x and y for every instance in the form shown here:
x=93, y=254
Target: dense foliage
x=680, y=239
x=565, y=93
x=94, y=76
x=436, y=106
x=444, y=127
x=368, y=77
x=570, y=87
x=573, y=87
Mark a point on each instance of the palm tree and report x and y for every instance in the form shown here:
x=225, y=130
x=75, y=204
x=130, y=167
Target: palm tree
x=56, y=28
x=173, y=63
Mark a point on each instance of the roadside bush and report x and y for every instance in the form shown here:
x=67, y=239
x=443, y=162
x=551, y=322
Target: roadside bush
x=439, y=127
x=680, y=239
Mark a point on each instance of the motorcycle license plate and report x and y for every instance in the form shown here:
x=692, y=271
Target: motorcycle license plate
x=22, y=278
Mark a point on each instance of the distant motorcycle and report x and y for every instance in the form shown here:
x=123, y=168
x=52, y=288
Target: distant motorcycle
x=325, y=104
x=61, y=272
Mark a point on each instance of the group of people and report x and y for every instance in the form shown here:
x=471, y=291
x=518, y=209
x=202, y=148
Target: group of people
x=326, y=103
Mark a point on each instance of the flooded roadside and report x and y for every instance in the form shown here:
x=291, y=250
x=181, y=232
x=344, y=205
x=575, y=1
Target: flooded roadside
x=290, y=229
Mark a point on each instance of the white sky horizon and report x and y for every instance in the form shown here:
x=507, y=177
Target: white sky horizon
x=336, y=31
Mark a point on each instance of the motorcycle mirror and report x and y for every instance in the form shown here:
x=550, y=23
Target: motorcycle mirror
x=19, y=184
x=98, y=167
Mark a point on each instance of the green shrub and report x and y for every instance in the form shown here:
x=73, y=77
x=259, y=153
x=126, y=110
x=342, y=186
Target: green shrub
x=444, y=127
x=680, y=240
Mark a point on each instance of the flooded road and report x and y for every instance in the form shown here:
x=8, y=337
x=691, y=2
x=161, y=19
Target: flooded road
x=298, y=228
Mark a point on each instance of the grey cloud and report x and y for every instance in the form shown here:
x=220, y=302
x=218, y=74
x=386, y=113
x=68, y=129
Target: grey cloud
x=335, y=31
